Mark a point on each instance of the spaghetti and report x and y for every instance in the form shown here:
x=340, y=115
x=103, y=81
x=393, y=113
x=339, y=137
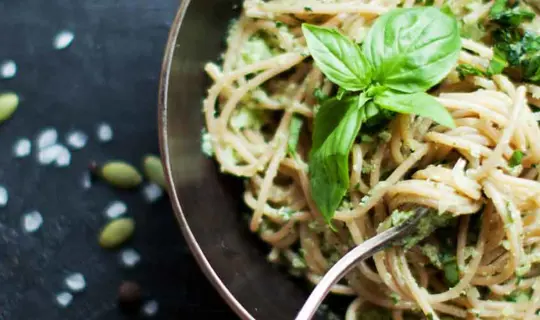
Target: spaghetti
x=482, y=263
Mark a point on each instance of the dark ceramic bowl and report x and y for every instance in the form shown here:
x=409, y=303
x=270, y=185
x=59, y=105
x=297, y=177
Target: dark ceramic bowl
x=208, y=204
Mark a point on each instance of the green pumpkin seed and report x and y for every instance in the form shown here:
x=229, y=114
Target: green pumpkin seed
x=116, y=233
x=9, y=101
x=121, y=174
x=153, y=169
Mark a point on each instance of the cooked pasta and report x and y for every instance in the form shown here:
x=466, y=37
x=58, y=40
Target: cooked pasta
x=480, y=177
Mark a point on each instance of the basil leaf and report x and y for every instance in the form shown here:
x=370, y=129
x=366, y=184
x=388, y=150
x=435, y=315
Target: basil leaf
x=503, y=14
x=419, y=103
x=294, y=134
x=335, y=129
x=497, y=63
x=412, y=49
x=338, y=57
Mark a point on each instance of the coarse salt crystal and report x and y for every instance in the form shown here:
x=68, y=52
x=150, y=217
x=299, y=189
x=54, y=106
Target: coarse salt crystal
x=8, y=69
x=63, y=39
x=76, y=139
x=130, y=257
x=64, y=157
x=104, y=132
x=32, y=221
x=22, y=148
x=150, y=308
x=49, y=154
x=47, y=137
x=3, y=196
x=64, y=298
x=115, y=209
x=75, y=282
x=86, y=180
x=152, y=192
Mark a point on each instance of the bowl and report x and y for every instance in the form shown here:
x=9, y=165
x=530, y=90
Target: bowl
x=208, y=205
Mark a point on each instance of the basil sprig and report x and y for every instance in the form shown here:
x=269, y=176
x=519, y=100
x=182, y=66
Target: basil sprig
x=406, y=52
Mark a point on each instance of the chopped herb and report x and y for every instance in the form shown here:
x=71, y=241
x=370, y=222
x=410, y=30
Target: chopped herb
x=451, y=272
x=294, y=134
x=308, y=9
x=395, y=298
x=506, y=15
x=465, y=70
x=519, y=296
x=280, y=24
x=366, y=138
x=319, y=95
x=515, y=159
x=497, y=63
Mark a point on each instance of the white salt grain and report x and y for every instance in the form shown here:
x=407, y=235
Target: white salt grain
x=32, y=221
x=130, y=257
x=3, y=196
x=115, y=209
x=150, y=308
x=86, y=181
x=64, y=299
x=49, y=154
x=47, y=138
x=22, y=148
x=75, y=282
x=152, y=192
x=8, y=69
x=76, y=139
x=63, y=39
x=64, y=157
x=104, y=132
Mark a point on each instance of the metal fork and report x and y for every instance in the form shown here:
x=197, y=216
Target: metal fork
x=356, y=255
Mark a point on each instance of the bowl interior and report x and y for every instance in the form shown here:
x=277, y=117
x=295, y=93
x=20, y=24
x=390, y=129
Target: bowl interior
x=209, y=204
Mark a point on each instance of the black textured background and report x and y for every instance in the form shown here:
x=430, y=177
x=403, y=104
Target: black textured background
x=109, y=73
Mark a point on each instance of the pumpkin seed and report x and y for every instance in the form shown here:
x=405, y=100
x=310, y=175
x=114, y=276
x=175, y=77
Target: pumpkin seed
x=9, y=101
x=153, y=169
x=120, y=174
x=116, y=233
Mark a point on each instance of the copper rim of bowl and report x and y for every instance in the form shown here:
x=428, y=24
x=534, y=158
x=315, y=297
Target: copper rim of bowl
x=164, y=149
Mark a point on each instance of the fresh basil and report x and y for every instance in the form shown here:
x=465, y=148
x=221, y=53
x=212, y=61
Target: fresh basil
x=338, y=57
x=515, y=159
x=507, y=15
x=419, y=103
x=406, y=52
x=335, y=129
x=294, y=134
x=413, y=49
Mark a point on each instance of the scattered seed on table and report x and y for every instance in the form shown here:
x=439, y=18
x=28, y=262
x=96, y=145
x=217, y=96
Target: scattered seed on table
x=64, y=298
x=22, y=148
x=47, y=137
x=76, y=139
x=120, y=174
x=75, y=282
x=115, y=209
x=32, y=221
x=130, y=257
x=116, y=232
x=129, y=296
x=63, y=39
x=152, y=192
x=153, y=169
x=150, y=308
x=104, y=132
x=3, y=196
x=8, y=69
x=9, y=101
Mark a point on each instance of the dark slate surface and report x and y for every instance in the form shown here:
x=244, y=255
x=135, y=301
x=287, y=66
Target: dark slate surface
x=109, y=73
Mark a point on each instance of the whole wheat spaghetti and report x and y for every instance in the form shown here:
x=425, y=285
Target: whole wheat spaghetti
x=482, y=175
